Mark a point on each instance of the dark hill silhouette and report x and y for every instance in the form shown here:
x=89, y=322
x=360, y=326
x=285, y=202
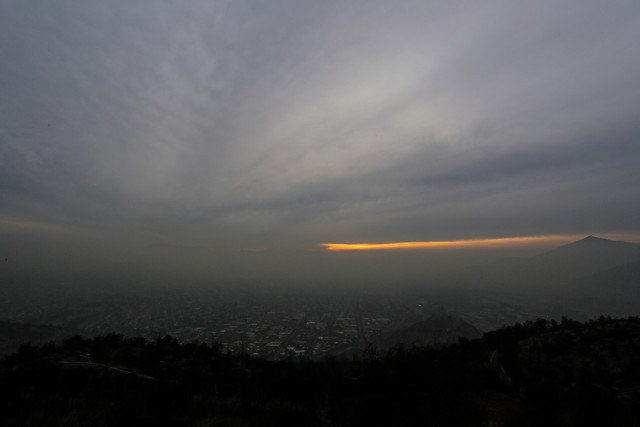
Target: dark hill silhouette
x=538, y=373
x=13, y=334
x=435, y=331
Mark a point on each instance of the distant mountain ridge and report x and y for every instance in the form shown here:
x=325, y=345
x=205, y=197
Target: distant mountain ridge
x=581, y=258
x=595, y=251
x=557, y=268
x=622, y=280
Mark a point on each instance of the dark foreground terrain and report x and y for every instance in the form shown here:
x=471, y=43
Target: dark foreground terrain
x=539, y=373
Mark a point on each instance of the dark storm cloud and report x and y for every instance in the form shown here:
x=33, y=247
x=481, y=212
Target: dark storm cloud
x=239, y=124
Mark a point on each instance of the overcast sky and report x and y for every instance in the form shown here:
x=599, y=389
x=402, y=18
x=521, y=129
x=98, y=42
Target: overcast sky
x=229, y=125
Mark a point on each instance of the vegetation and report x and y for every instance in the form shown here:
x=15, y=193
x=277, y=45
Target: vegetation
x=537, y=373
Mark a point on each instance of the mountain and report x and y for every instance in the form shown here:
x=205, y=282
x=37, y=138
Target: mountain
x=584, y=257
x=622, y=281
x=557, y=267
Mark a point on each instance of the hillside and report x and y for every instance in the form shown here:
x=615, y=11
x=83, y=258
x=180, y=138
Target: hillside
x=13, y=334
x=432, y=332
x=539, y=373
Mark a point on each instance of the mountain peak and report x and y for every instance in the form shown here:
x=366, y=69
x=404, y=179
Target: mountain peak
x=589, y=242
x=593, y=243
x=592, y=239
x=595, y=248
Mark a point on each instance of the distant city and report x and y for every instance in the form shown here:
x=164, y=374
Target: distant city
x=268, y=325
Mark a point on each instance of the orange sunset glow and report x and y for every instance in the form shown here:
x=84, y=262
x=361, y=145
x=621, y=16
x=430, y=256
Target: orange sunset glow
x=530, y=241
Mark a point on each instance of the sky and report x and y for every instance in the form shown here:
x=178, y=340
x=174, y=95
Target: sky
x=240, y=138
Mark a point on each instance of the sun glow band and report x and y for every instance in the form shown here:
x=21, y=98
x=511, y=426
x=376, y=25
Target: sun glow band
x=472, y=243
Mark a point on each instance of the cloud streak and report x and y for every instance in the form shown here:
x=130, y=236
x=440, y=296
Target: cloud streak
x=507, y=242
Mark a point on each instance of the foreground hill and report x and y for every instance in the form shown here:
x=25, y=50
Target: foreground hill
x=13, y=334
x=540, y=373
x=434, y=331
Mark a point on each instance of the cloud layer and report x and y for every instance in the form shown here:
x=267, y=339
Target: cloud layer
x=238, y=124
